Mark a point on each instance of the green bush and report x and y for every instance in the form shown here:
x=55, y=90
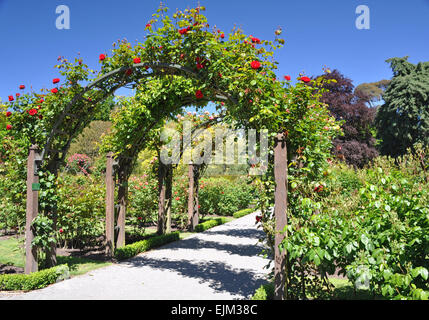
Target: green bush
x=33, y=281
x=221, y=196
x=134, y=249
x=264, y=292
x=81, y=210
x=210, y=224
x=243, y=213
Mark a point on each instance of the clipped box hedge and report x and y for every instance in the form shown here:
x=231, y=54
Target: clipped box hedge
x=243, y=213
x=210, y=224
x=35, y=280
x=135, y=248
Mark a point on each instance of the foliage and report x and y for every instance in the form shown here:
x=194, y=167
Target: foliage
x=135, y=248
x=143, y=200
x=403, y=119
x=377, y=236
x=372, y=92
x=264, y=292
x=33, y=281
x=356, y=146
x=78, y=163
x=81, y=210
x=89, y=141
x=210, y=224
x=221, y=196
x=242, y=213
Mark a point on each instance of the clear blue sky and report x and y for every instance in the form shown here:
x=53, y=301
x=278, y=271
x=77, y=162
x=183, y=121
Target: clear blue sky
x=317, y=33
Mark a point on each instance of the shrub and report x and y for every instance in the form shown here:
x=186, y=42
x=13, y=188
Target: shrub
x=81, y=210
x=243, y=213
x=143, y=200
x=221, y=196
x=135, y=248
x=210, y=224
x=33, y=281
x=78, y=163
x=264, y=292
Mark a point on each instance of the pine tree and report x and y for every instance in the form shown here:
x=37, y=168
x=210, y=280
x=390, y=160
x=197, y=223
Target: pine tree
x=403, y=119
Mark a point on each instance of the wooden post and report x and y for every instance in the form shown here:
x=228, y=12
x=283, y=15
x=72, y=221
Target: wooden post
x=192, y=203
x=162, y=172
x=110, y=205
x=32, y=210
x=280, y=212
x=123, y=199
x=168, y=196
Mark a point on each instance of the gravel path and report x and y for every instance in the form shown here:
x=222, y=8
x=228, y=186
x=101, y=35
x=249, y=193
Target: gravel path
x=223, y=263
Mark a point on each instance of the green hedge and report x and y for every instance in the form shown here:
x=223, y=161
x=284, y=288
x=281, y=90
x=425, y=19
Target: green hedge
x=210, y=224
x=264, y=292
x=35, y=280
x=243, y=213
x=135, y=248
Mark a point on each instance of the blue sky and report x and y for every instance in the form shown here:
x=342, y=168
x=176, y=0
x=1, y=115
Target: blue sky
x=317, y=33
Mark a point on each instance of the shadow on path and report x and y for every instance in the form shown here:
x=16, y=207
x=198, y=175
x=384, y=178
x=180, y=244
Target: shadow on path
x=219, y=276
x=238, y=249
x=239, y=232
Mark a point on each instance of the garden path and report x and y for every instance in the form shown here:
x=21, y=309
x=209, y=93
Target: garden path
x=223, y=263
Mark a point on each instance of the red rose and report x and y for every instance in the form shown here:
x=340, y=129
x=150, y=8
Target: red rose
x=146, y=67
x=54, y=90
x=8, y=127
x=137, y=60
x=305, y=79
x=255, y=64
x=8, y=114
x=61, y=230
x=258, y=218
x=177, y=199
x=199, y=94
x=18, y=95
x=32, y=112
x=11, y=98
x=129, y=72
x=287, y=78
x=22, y=87
x=56, y=80
x=222, y=36
x=318, y=189
x=140, y=218
x=40, y=117
x=200, y=66
x=102, y=57
x=148, y=25
x=41, y=101
x=183, y=31
x=255, y=40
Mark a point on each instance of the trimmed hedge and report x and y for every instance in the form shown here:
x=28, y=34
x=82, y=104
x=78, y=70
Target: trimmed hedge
x=210, y=224
x=264, y=292
x=135, y=248
x=35, y=280
x=243, y=213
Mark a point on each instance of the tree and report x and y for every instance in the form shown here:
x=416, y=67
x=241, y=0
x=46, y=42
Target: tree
x=356, y=146
x=403, y=119
x=372, y=91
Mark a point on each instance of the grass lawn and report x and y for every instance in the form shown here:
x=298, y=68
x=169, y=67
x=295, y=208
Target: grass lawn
x=11, y=253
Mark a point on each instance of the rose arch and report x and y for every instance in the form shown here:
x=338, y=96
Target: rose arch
x=182, y=62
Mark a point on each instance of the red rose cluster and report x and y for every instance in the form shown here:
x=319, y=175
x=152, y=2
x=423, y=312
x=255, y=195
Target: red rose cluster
x=318, y=189
x=255, y=65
